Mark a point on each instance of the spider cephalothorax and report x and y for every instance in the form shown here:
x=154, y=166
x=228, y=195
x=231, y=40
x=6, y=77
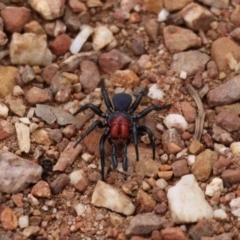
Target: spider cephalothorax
x=121, y=123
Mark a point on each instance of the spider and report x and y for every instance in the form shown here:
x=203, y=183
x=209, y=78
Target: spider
x=121, y=123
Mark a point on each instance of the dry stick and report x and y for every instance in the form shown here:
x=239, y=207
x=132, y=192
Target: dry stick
x=201, y=112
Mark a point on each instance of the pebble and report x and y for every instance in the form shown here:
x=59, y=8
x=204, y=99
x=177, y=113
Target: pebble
x=180, y=168
x=153, y=6
x=23, y=137
x=185, y=196
x=113, y=60
x=59, y=183
x=41, y=189
x=147, y=167
x=220, y=215
x=163, y=15
x=231, y=176
x=154, y=92
x=228, y=121
x=235, y=148
x=196, y=17
x=60, y=45
x=221, y=135
x=17, y=173
x=30, y=231
x=48, y=9
x=161, y=183
x=214, y=187
x=195, y=147
x=235, y=207
x=9, y=219
x=176, y=121
x=7, y=83
x=16, y=106
x=80, y=39
x=41, y=136
x=145, y=202
x=173, y=233
x=178, y=39
x=218, y=4
x=106, y=196
x=102, y=37
x=220, y=165
x=189, y=112
x=80, y=209
x=191, y=159
x=23, y=221
x=67, y=157
x=151, y=27
x=202, y=167
x=234, y=16
x=30, y=49
x=21, y=15
x=6, y=129
x=202, y=229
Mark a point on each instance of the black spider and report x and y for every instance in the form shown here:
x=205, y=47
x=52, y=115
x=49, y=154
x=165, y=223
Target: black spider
x=119, y=123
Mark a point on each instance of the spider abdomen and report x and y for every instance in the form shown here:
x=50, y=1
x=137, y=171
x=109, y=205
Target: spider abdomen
x=119, y=127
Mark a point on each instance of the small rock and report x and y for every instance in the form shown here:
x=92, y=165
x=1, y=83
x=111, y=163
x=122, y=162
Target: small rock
x=17, y=173
x=189, y=112
x=145, y=202
x=166, y=175
x=55, y=135
x=34, y=27
x=17, y=199
x=218, y=4
x=161, y=183
x=227, y=46
x=102, y=37
x=80, y=209
x=37, y=95
x=3, y=110
x=21, y=15
x=6, y=129
x=195, y=147
x=41, y=189
x=235, y=148
x=197, y=80
x=215, y=187
x=143, y=224
x=76, y=176
x=105, y=195
x=48, y=9
x=190, y=61
x=81, y=185
x=187, y=194
x=16, y=106
x=113, y=60
x=23, y=137
x=154, y=92
x=41, y=136
x=173, y=233
x=138, y=46
x=178, y=39
x=153, y=6
x=147, y=167
x=180, y=168
x=176, y=121
x=67, y=157
x=235, y=207
x=3, y=41
x=48, y=72
x=152, y=29
x=228, y=121
x=125, y=79
x=203, y=165
x=196, y=17
x=9, y=219
x=58, y=184
x=221, y=135
x=212, y=69
x=30, y=49
x=234, y=16
x=231, y=176
x=220, y=165
x=220, y=215
x=30, y=231
x=23, y=221
x=175, y=5
x=77, y=6
x=60, y=45
x=159, y=195
x=201, y=229
x=90, y=76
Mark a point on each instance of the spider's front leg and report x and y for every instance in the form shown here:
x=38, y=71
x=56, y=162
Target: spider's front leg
x=135, y=139
x=95, y=109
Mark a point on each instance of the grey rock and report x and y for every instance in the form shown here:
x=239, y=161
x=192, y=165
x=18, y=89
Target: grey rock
x=17, y=173
x=59, y=183
x=143, y=224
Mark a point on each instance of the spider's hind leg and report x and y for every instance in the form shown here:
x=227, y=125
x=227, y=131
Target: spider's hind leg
x=125, y=159
x=114, y=154
x=102, y=151
x=135, y=139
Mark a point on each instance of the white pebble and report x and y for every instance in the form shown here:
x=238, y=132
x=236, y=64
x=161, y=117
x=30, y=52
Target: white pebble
x=80, y=39
x=191, y=159
x=183, y=75
x=34, y=201
x=80, y=209
x=220, y=215
x=17, y=91
x=176, y=121
x=235, y=148
x=92, y=165
x=235, y=207
x=231, y=61
x=24, y=120
x=161, y=183
x=182, y=153
x=164, y=158
x=3, y=110
x=33, y=127
x=45, y=208
x=23, y=221
x=163, y=14
x=214, y=187
x=87, y=157
x=75, y=176
x=31, y=112
x=155, y=92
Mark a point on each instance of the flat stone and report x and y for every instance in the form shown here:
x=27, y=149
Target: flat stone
x=106, y=196
x=202, y=229
x=203, y=165
x=216, y=4
x=173, y=233
x=23, y=137
x=228, y=121
x=220, y=165
x=231, y=176
x=147, y=167
x=190, y=62
x=178, y=39
x=145, y=202
x=143, y=224
x=17, y=173
x=180, y=168
x=185, y=196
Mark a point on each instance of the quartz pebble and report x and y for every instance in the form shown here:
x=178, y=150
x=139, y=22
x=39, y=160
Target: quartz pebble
x=185, y=196
x=235, y=207
x=23, y=221
x=155, y=92
x=3, y=110
x=215, y=187
x=176, y=121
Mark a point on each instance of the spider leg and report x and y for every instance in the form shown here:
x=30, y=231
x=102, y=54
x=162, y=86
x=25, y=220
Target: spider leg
x=150, y=135
x=106, y=97
x=137, y=101
x=95, y=109
x=135, y=139
x=114, y=156
x=149, y=109
x=96, y=123
x=102, y=151
x=125, y=159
